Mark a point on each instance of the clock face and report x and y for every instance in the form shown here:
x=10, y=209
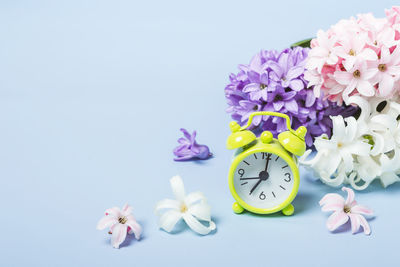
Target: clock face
x=263, y=180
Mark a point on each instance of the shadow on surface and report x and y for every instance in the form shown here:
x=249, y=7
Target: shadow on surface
x=304, y=202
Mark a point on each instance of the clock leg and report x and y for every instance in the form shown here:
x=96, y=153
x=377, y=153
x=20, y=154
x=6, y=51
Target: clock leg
x=288, y=210
x=237, y=208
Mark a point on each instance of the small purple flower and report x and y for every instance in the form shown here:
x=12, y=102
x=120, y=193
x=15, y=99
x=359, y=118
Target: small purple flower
x=281, y=98
x=274, y=81
x=286, y=73
x=258, y=77
x=189, y=149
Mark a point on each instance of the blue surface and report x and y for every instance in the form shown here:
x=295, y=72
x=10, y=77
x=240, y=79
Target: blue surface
x=83, y=83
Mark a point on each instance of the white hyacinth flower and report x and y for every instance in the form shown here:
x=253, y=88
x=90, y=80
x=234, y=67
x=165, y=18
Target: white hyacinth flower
x=360, y=151
x=192, y=208
x=335, y=155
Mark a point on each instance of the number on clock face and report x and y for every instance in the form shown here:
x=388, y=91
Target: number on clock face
x=263, y=180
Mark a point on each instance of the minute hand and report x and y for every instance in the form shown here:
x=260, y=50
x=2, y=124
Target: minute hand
x=266, y=165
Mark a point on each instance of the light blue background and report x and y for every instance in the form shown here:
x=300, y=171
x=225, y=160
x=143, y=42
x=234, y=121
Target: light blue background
x=92, y=96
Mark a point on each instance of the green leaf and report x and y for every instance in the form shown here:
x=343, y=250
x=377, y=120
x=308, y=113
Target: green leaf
x=303, y=43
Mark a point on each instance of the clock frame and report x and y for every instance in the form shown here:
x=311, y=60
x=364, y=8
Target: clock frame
x=273, y=147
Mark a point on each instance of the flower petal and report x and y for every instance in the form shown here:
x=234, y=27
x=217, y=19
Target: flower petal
x=118, y=234
x=362, y=104
x=350, y=195
x=338, y=129
x=310, y=99
x=106, y=221
x=355, y=222
x=277, y=105
x=296, y=84
x=294, y=72
x=343, y=77
x=368, y=54
x=349, y=89
x=168, y=220
x=135, y=227
x=347, y=160
x=331, y=198
x=276, y=68
x=365, y=88
x=193, y=138
x=349, y=62
x=365, y=225
x=114, y=212
x=201, y=210
x=334, y=163
x=369, y=73
x=337, y=219
x=167, y=204
x=185, y=133
x=197, y=226
x=361, y=210
x=358, y=147
x=321, y=143
x=288, y=95
x=388, y=178
x=177, y=187
x=251, y=87
x=386, y=85
x=194, y=197
x=332, y=207
x=351, y=129
x=292, y=106
x=332, y=202
x=126, y=210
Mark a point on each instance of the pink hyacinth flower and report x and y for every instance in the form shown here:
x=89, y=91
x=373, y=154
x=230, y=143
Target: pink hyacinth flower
x=343, y=210
x=121, y=223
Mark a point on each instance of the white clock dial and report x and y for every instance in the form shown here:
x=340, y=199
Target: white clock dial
x=263, y=180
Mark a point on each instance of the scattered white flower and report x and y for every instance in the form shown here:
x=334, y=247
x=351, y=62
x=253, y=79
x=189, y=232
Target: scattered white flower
x=192, y=208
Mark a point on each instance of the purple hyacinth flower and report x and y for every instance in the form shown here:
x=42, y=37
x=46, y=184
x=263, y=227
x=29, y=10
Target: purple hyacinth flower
x=258, y=77
x=279, y=99
x=274, y=81
x=245, y=109
x=189, y=149
x=287, y=74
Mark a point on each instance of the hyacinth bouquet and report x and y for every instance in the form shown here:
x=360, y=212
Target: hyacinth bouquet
x=344, y=89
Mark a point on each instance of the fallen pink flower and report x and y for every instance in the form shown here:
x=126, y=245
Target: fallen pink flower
x=343, y=210
x=120, y=222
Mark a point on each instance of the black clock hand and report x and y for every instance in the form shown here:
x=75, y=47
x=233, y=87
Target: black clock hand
x=255, y=186
x=266, y=165
x=251, y=178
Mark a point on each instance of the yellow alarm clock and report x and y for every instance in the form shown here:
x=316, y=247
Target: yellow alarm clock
x=264, y=175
